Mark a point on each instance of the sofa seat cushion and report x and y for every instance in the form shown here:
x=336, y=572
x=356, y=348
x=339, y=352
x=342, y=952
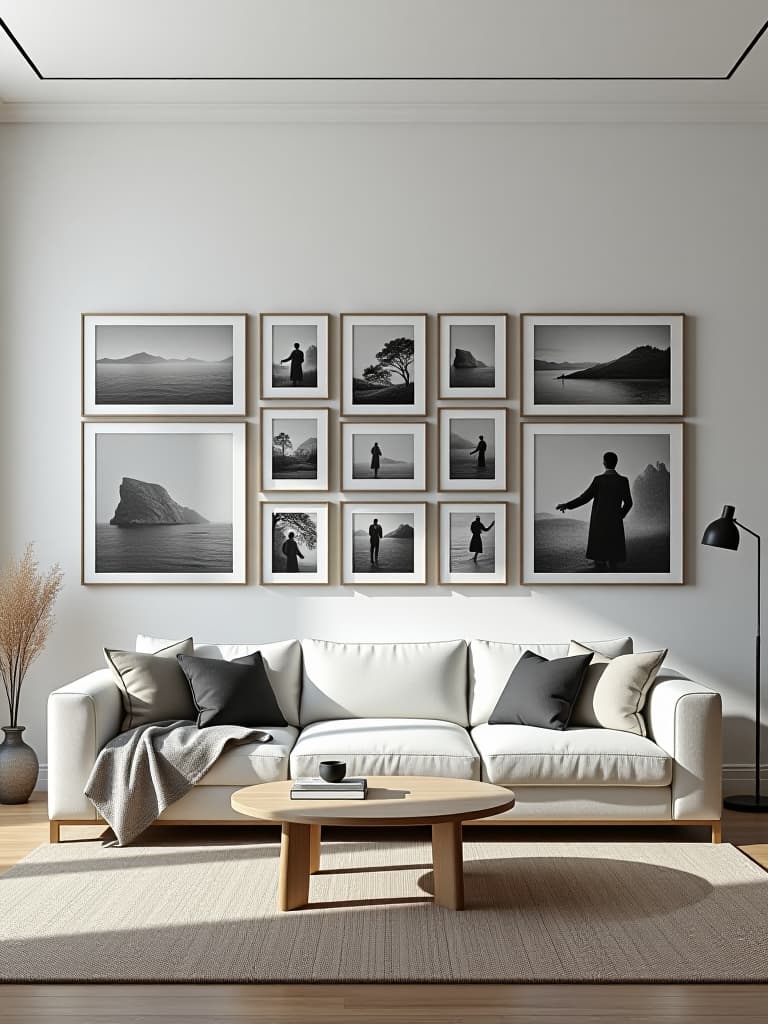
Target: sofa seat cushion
x=524, y=755
x=252, y=763
x=387, y=746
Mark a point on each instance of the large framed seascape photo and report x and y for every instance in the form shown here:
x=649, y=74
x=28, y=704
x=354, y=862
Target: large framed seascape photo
x=472, y=449
x=472, y=543
x=383, y=456
x=383, y=542
x=163, y=365
x=602, y=365
x=602, y=503
x=383, y=364
x=473, y=355
x=294, y=543
x=294, y=355
x=163, y=503
x=294, y=449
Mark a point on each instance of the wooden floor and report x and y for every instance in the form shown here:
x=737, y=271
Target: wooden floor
x=26, y=827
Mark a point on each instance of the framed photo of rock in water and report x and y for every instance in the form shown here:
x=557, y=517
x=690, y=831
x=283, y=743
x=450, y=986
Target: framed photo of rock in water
x=163, y=503
x=383, y=364
x=383, y=542
x=294, y=355
x=294, y=449
x=381, y=456
x=473, y=355
x=163, y=365
x=472, y=449
x=472, y=543
x=602, y=365
x=294, y=543
x=602, y=503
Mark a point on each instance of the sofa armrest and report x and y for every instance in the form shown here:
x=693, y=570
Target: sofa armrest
x=685, y=719
x=82, y=717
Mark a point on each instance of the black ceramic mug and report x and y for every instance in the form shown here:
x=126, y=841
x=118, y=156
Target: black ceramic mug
x=332, y=771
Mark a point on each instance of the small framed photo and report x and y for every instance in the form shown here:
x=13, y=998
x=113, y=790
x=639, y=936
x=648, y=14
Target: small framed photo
x=383, y=364
x=473, y=449
x=294, y=355
x=163, y=365
x=473, y=355
x=626, y=365
x=294, y=543
x=163, y=503
x=472, y=543
x=602, y=503
x=294, y=449
x=383, y=542
x=383, y=456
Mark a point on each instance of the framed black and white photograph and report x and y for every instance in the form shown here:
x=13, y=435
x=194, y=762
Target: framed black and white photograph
x=163, y=503
x=473, y=355
x=602, y=503
x=383, y=364
x=294, y=355
x=472, y=543
x=626, y=365
x=294, y=449
x=473, y=449
x=383, y=542
x=294, y=543
x=383, y=456
x=163, y=365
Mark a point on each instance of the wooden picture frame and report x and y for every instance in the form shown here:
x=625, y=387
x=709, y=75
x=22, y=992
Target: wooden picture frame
x=479, y=342
x=395, y=386
x=302, y=465
x=309, y=522
x=462, y=468
x=396, y=466
x=299, y=332
x=460, y=547
x=361, y=566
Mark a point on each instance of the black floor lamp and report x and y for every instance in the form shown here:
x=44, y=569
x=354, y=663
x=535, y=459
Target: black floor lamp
x=724, y=533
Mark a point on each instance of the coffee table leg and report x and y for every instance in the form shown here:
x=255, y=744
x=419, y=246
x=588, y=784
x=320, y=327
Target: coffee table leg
x=293, y=887
x=448, y=865
x=314, y=848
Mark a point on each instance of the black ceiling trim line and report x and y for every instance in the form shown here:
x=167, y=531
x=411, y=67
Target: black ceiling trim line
x=21, y=49
x=748, y=50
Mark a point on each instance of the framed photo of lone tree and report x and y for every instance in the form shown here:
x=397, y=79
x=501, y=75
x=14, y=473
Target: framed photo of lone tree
x=383, y=364
x=294, y=449
x=602, y=503
x=294, y=355
x=472, y=543
x=473, y=449
x=294, y=543
x=383, y=542
x=473, y=355
x=163, y=364
x=383, y=456
x=602, y=365
x=163, y=503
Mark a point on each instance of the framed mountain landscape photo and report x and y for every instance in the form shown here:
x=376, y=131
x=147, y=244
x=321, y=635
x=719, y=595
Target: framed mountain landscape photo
x=473, y=355
x=383, y=542
x=602, y=365
x=163, y=364
x=294, y=449
x=294, y=355
x=602, y=503
x=383, y=364
x=383, y=456
x=472, y=543
x=294, y=543
x=163, y=503
x=472, y=449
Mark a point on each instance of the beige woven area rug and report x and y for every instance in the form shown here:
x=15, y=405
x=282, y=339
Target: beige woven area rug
x=535, y=913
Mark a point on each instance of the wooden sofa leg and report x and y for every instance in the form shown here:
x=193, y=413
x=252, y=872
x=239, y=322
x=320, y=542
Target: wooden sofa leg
x=717, y=831
x=55, y=831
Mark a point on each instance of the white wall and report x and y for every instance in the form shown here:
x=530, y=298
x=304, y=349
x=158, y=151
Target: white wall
x=403, y=218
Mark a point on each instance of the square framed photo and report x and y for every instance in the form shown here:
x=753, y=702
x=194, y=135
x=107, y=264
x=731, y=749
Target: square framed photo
x=473, y=449
x=294, y=543
x=294, y=449
x=383, y=542
x=383, y=364
x=383, y=456
x=627, y=365
x=473, y=355
x=602, y=503
x=472, y=543
x=294, y=355
x=163, y=365
x=163, y=503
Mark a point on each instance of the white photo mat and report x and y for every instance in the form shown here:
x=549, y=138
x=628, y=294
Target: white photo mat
x=417, y=322
x=447, y=542
x=369, y=511
x=498, y=323
x=267, y=323
x=383, y=430
x=272, y=576
x=318, y=417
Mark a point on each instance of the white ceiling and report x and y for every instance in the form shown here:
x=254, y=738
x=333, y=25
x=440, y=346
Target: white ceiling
x=111, y=55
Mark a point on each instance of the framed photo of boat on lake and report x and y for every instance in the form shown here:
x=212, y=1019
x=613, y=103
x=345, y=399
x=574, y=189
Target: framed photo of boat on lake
x=294, y=449
x=602, y=365
x=163, y=503
x=472, y=449
x=294, y=543
x=163, y=364
x=472, y=543
x=473, y=355
x=602, y=503
x=294, y=355
x=383, y=542
x=383, y=456
x=383, y=364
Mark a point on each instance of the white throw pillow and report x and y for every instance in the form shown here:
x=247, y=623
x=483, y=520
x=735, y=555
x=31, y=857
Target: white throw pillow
x=614, y=689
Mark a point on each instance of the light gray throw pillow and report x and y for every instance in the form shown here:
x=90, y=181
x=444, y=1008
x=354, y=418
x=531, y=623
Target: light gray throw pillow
x=153, y=686
x=614, y=690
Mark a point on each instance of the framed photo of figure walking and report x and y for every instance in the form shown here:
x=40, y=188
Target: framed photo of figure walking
x=602, y=503
x=472, y=543
x=294, y=543
x=383, y=456
x=294, y=355
x=472, y=449
x=383, y=542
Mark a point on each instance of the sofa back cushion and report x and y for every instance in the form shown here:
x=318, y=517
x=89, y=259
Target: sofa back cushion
x=490, y=666
x=422, y=680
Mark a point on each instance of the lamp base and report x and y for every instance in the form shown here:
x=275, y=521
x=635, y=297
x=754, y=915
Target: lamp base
x=748, y=802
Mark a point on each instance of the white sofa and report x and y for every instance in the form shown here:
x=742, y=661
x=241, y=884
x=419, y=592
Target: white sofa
x=422, y=709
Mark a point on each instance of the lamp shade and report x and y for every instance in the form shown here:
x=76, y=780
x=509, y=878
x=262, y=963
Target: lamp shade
x=723, y=532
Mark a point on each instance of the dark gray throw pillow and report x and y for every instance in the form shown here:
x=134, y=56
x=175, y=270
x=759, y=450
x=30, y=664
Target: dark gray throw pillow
x=540, y=692
x=231, y=692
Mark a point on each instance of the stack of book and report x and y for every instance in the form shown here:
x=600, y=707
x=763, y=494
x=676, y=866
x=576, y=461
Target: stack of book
x=315, y=788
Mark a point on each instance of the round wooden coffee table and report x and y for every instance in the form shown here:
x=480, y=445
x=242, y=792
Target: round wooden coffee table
x=393, y=800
